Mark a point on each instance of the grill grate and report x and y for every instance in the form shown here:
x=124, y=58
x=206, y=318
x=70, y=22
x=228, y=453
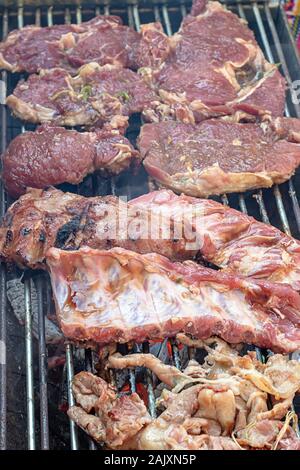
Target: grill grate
x=279, y=205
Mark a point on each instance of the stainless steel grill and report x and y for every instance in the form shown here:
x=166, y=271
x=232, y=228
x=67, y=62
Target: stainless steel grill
x=27, y=373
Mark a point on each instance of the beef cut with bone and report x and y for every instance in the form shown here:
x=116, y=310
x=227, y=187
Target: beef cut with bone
x=218, y=156
x=182, y=227
x=53, y=155
x=119, y=296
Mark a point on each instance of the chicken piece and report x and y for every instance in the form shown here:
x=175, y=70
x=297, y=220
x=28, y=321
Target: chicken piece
x=208, y=442
x=116, y=419
x=218, y=405
x=225, y=412
x=170, y=375
x=195, y=370
x=92, y=425
x=268, y=434
x=278, y=410
x=197, y=426
x=280, y=377
x=160, y=435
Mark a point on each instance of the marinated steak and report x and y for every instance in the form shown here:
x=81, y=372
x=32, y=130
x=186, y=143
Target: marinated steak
x=54, y=155
x=119, y=296
x=215, y=68
x=179, y=227
x=103, y=40
x=217, y=156
x=95, y=96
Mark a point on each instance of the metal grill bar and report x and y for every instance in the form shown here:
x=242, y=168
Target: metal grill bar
x=262, y=207
x=280, y=53
x=89, y=366
x=269, y=56
x=31, y=442
x=70, y=375
x=149, y=380
x=3, y=302
x=29, y=367
x=43, y=367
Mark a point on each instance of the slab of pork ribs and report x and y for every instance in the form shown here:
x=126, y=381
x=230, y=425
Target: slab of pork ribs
x=179, y=227
x=120, y=296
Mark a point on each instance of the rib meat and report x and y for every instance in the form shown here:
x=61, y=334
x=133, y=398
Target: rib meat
x=103, y=40
x=215, y=67
x=95, y=96
x=216, y=156
x=54, y=155
x=41, y=219
x=179, y=227
x=229, y=238
x=119, y=296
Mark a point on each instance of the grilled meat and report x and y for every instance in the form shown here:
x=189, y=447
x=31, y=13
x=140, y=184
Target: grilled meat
x=215, y=67
x=117, y=418
x=54, y=155
x=216, y=156
x=103, y=40
x=41, y=219
x=179, y=227
x=230, y=74
x=119, y=296
x=225, y=407
x=95, y=96
x=230, y=239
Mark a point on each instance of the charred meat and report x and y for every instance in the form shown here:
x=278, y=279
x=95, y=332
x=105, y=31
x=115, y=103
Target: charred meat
x=41, y=219
x=179, y=227
x=229, y=238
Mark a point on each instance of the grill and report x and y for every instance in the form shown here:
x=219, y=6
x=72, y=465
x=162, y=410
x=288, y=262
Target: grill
x=29, y=394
